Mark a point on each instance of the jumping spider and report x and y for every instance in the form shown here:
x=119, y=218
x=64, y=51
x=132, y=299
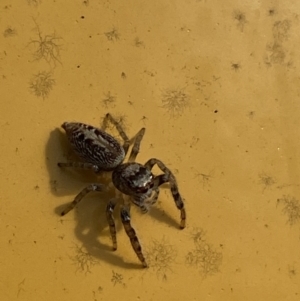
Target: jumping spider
x=134, y=182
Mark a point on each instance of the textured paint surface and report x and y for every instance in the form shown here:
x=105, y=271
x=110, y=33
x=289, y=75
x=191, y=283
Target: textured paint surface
x=216, y=84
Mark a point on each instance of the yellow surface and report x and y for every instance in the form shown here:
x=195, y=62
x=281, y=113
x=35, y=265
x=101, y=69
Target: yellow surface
x=216, y=84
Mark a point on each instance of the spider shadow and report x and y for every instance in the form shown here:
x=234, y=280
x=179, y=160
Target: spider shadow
x=64, y=181
x=159, y=213
x=90, y=215
x=91, y=227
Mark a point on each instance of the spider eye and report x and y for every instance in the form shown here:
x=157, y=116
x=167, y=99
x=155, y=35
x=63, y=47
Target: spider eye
x=142, y=189
x=145, y=188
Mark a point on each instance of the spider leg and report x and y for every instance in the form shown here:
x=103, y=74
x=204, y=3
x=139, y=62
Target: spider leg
x=111, y=222
x=81, y=195
x=169, y=177
x=119, y=129
x=125, y=217
x=86, y=166
x=138, y=137
x=136, y=146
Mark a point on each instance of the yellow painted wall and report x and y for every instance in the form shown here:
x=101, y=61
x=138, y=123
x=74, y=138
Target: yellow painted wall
x=216, y=84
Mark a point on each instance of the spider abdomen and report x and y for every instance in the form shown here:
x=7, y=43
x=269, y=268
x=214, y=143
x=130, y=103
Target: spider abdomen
x=94, y=145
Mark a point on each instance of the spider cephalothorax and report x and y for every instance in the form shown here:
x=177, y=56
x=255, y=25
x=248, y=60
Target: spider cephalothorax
x=102, y=152
x=133, y=179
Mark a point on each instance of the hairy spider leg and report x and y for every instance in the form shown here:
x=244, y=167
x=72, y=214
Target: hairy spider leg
x=136, y=146
x=111, y=222
x=125, y=217
x=137, y=139
x=107, y=118
x=81, y=195
x=170, y=178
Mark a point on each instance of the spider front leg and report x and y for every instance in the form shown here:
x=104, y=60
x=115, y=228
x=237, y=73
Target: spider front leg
x=169, y=177
x=125, y=217
x=81, y=195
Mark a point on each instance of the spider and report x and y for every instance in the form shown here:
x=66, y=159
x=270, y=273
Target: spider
x=133, y=182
